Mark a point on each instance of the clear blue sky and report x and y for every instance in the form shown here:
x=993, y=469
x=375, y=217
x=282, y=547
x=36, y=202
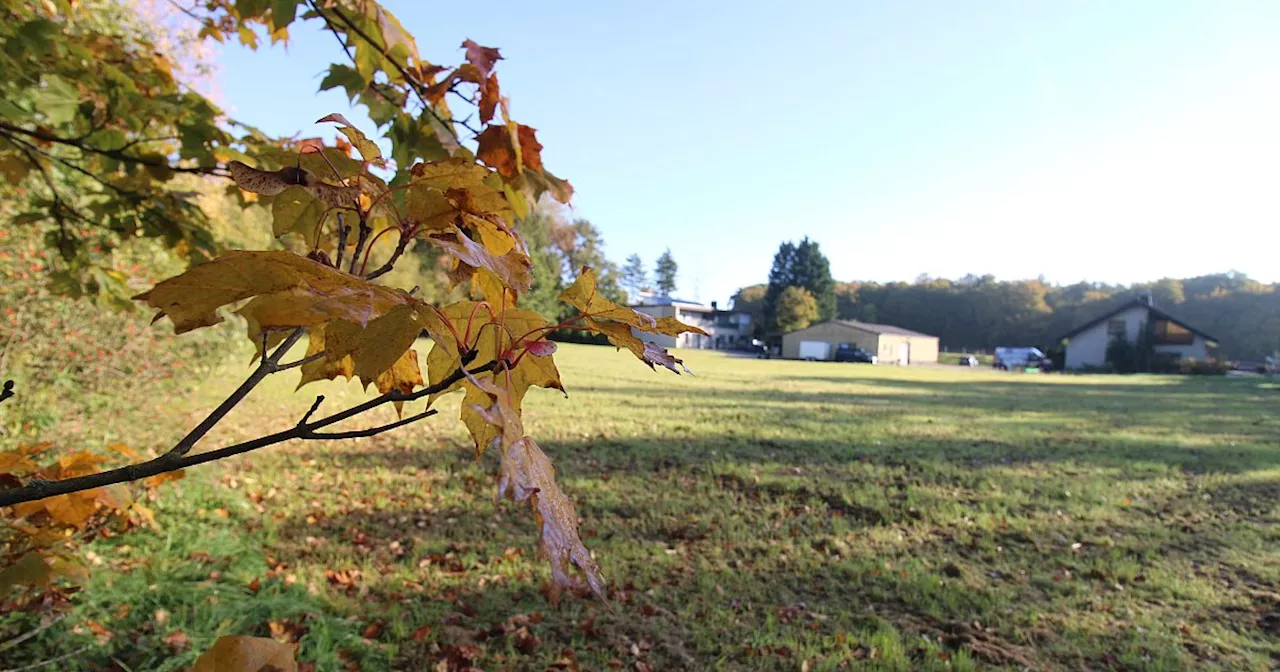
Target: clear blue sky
x=1100, y=140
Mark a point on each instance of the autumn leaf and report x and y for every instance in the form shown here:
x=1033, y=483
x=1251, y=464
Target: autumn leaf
x=401, y=377
x=247, y=654
x=374, y=349
x=490, y=94
x=513, y=268
x=621, y=324
x=489, y=341
x=483, y=58
x=324, y=368
x=35, y=569
x=302, y=292
x=497, y=150
x=368, y=149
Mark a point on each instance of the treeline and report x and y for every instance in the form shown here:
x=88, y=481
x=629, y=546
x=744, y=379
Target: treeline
x=981, y=313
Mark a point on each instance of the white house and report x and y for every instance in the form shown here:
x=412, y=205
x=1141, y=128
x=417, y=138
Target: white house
x=1087, y=345
x=726, y=329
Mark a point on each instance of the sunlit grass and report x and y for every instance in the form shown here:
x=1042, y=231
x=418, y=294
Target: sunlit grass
x=757, y=515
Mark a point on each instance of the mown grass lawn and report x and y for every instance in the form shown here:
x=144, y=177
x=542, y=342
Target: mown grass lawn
x=761, y=515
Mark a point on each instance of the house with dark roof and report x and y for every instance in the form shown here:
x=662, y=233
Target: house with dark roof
x=888, y=343
x=726, y=329
x=1086, y=345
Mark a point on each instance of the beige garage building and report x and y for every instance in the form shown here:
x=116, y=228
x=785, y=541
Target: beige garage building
x=891, y=345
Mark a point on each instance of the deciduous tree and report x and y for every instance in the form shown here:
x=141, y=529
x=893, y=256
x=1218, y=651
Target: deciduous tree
x=797, y=309
x=342, y=227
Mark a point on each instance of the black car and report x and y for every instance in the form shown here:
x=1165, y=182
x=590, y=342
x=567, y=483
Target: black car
x=852, y=353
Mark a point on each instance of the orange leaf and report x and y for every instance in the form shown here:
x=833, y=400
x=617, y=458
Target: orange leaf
x=489, y=96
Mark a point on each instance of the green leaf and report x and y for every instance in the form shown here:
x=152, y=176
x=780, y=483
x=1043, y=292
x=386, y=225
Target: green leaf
x=283, y=12
x=347, y=77
x=58, y=99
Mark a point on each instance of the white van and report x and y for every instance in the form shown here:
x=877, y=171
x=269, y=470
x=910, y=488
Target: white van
x=1011, y=359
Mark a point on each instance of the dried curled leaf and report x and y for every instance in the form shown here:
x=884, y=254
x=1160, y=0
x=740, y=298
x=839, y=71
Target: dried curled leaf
x=483, y=58
x=368, y=149
x=624, y=326
x=248, y=654
x=513, y=268
x=526, y=475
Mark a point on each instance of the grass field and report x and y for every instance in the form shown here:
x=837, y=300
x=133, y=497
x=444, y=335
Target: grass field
x=761, y=515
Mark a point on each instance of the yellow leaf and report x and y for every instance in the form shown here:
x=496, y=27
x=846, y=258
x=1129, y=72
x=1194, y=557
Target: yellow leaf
x=323, y=368
x=309, y=290
x=402, y=377
x=247, y=654
x=490, y=340
x=123, y=450
x=376, y=348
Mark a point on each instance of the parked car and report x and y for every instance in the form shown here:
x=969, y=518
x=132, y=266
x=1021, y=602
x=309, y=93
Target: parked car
x=1010, y=359
x=968, y=360
x=846, y=352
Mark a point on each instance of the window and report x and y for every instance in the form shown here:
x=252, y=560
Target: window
x=1117, y=329
x=1166, y=332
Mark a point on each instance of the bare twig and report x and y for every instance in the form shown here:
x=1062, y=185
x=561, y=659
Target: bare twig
x=51, y=661
x=361, y=239
x=372, y=431
x=301, y=362
x=311, y=411
x=116, y=154
x=342, y=240
x=31, y=633
x=268, y=366
x=172, y=461
x=395, y=256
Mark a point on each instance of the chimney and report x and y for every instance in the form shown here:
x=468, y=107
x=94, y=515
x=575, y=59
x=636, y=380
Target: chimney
x=1147, y=299
x=713, y=306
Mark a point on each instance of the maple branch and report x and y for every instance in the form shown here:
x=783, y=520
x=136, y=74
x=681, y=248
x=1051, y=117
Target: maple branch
x=116, y=154
x=361, y=239
x=266, y=368
x=172, y=461
x=301, y=362
x=395, y=255
x=342, y=240
x=372, y=431
x=409, y=78
x=6, y=391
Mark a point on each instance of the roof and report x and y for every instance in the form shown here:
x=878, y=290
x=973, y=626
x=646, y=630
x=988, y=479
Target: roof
x=1135, y=303
x=882, y=328
x=661, y=301
x=872, y=328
